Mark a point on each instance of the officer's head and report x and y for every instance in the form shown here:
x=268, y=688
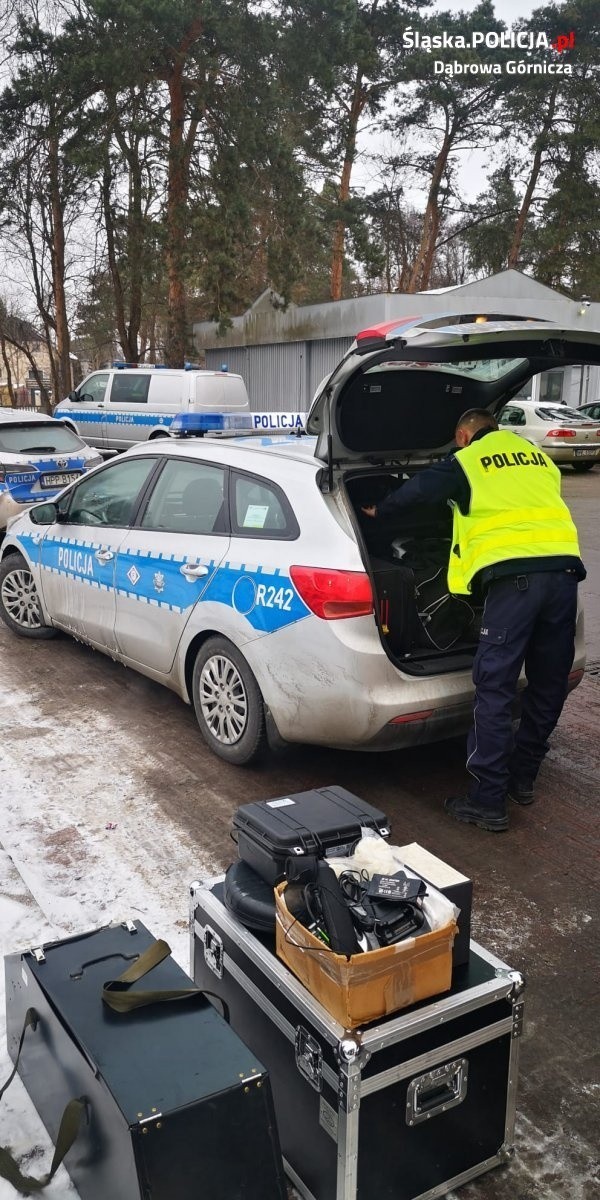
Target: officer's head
x=471, y=423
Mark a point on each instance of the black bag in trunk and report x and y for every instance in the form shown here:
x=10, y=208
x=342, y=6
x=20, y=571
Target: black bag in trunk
x=442, y=619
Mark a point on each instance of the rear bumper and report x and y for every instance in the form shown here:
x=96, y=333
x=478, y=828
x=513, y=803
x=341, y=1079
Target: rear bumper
x=567, y=454
x=337, y=688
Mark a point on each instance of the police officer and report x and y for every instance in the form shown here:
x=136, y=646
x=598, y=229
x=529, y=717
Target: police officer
x=514, y=540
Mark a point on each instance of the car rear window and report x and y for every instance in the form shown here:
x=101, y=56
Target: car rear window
x=560, y=412
x=33, y=437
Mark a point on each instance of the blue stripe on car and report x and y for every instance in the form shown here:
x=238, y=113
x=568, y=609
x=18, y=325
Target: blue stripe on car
x=91, y=417
x=21, y=481
x=264, y=597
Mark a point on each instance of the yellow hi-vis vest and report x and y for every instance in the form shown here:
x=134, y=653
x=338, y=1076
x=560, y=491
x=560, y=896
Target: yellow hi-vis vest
x=516, y=509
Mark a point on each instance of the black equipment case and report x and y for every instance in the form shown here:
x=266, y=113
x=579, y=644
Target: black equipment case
x=177, y=1106
x=326, y=821
x=405, y=1109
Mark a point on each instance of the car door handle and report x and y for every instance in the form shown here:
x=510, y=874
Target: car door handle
x=194, y=570
x=104, y=556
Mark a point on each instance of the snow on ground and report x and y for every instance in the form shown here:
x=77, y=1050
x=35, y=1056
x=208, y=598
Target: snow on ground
x=87, y=852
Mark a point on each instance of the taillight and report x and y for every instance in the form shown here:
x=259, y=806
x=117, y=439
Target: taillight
x=333, y=595
x=561, y=433
x=2, y=474
x=598, y=433
x=407, y=718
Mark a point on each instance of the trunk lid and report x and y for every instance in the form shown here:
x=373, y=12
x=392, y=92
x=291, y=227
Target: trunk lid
x=398, y=393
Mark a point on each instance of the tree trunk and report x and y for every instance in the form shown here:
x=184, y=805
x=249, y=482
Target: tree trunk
x=419, y=276
x=513, y=254
x=5, y=359
x=63, y=341
x=113, y=266
x=359, y=99
x=136, y=247
x=180, y=148
x=176, y=216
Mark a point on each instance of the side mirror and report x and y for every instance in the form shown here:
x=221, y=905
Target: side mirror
x=44, y=514
x=73, y=395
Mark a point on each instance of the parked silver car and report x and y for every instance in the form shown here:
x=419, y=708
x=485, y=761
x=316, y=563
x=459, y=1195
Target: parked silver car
x=567, y=435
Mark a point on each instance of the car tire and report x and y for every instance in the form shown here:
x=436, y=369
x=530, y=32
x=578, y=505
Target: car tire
x=579, y=467
x=236, y=729
x=19, y=603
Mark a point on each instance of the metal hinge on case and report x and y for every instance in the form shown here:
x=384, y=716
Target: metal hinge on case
x=129, y=926
x=213, y=951
x=518, y=1011
x=309, y=1058
x=38, y=954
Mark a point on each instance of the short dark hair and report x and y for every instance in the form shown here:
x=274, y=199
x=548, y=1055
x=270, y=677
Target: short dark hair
x=475, y=419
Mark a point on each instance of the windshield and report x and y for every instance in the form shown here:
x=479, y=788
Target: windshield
x=489, y=370
x=38, y=437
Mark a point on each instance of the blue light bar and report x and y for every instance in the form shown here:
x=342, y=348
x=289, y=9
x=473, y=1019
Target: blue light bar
x=120, y=366
x=191, y=424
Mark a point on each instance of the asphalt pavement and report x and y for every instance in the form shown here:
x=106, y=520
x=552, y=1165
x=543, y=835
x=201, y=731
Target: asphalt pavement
x=537, y=889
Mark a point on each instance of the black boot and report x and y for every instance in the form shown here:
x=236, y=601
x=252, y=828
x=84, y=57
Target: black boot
x=462, y=808
x=521, y=792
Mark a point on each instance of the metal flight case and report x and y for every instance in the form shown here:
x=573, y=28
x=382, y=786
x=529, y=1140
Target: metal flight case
x=405, y=1109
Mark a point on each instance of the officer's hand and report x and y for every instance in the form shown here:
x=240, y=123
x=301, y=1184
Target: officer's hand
x=370, y=511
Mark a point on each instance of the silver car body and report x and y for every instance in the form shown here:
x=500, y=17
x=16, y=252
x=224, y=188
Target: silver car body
x=566, y=435
x=150, y=598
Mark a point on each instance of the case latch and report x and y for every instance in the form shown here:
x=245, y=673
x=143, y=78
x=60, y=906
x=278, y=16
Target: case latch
x=309, y=1058
x=213, y=951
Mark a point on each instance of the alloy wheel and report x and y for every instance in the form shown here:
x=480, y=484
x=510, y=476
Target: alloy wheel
x=20, y=599
x=223, y=699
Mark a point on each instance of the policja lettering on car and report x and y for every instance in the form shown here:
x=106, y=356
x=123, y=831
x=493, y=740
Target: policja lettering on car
x=75, y=560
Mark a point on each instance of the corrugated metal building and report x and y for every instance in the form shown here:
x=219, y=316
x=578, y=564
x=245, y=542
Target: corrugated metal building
x=283, y=354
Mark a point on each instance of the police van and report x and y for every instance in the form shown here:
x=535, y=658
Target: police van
x=116, y=408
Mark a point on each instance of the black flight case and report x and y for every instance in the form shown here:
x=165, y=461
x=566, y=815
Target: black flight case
x=405, y=1109
x=177, y=1106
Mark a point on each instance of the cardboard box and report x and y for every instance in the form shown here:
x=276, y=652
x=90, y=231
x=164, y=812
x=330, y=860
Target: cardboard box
x=369, y=985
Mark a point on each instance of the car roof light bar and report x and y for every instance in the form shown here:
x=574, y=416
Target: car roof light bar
x=194, y=424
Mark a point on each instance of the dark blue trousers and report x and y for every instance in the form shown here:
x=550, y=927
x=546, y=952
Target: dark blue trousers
x=528, y=620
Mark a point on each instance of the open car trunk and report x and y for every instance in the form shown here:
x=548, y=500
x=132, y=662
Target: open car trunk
x=424, y=629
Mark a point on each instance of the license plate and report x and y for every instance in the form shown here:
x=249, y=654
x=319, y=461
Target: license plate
x=58, y=481
x=586, y=451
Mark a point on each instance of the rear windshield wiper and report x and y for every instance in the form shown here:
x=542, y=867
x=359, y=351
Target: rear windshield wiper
x=37, y=449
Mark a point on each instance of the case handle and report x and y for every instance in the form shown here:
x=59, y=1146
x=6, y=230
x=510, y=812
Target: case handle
x=436, y=1091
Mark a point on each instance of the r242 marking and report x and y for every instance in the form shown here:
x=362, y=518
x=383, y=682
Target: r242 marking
x=272, y=597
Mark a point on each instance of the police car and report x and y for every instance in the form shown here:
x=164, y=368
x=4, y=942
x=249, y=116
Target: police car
x=38, y=456
x=241, y=573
